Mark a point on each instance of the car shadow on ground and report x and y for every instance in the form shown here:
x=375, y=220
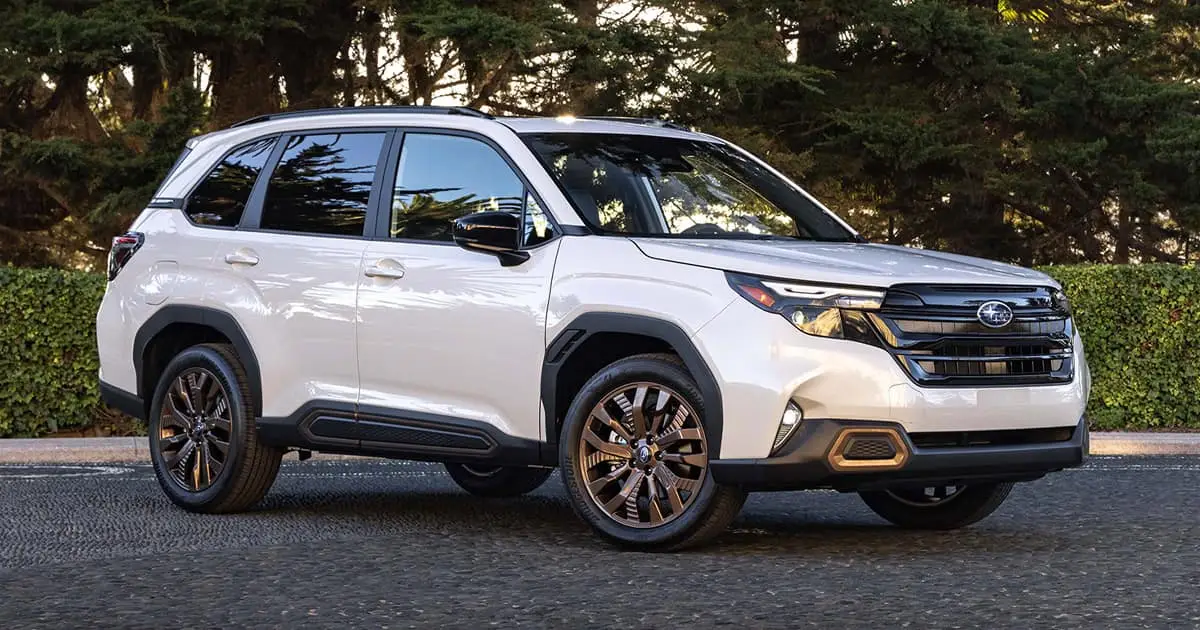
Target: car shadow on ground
x=552, y=520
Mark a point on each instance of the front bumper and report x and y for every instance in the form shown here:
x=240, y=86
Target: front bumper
x=809, y=460
x=762, y=363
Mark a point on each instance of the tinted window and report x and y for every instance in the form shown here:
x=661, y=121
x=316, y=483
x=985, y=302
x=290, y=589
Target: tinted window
x=648, y=185
x=221, y=197
x=441, y=178
x=322, y=184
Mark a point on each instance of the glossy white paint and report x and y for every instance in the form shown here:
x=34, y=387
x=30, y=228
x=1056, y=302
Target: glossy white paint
x=144, y=286
x=296, y=306
x=460, y=335
x=762, y=361
x=457, y=335
x=609, y=274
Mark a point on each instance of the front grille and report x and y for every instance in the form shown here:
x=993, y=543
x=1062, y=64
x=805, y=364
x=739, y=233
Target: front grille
x=936, y=335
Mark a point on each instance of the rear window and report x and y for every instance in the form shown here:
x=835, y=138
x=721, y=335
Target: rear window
x=221, y=198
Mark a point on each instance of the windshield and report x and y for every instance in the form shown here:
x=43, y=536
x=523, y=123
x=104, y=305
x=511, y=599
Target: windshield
x=652, y=185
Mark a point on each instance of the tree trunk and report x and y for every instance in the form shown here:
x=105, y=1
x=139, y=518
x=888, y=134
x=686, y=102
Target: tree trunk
x=372, y=39
x=307, y=58
x=580, y=83
x=243, y=84
x=69, y=114
x=1124, y=230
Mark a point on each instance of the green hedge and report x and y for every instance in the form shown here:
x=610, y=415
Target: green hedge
x=1140, y=323
x=48, y=358
x=1141, y=332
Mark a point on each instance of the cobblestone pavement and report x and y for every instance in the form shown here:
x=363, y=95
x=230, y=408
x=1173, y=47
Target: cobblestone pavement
x=396, y=544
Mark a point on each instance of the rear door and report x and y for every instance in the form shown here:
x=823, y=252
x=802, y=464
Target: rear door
x=291, y=270
x=446, y=335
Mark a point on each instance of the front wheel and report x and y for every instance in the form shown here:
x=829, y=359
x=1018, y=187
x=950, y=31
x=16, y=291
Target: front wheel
x=635, y=458
x=937, y=507
x=497, y=481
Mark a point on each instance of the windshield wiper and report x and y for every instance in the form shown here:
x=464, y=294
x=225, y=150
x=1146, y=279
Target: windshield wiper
x=750, y=236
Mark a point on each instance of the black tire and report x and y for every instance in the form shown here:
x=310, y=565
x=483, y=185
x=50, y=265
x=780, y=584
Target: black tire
x=706, y=515
x=968, y=505
x=497, y=481
x=249, y=467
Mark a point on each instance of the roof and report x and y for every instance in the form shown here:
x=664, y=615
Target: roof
x=422, y=115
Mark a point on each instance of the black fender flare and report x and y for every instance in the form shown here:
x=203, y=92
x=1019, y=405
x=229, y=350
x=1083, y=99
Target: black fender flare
x=588, y=324
x=220, y=321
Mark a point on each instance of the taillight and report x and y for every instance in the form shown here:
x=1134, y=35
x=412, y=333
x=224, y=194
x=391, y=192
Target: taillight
x=123, y=248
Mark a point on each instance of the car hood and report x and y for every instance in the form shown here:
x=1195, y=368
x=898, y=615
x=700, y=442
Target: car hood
x=861, y=264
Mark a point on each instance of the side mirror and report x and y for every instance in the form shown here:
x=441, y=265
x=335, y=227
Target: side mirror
x=497, y=233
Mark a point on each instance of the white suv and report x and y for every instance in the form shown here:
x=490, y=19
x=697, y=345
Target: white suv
x=655, y=311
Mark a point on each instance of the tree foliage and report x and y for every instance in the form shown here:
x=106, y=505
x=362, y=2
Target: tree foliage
x=1024, y=130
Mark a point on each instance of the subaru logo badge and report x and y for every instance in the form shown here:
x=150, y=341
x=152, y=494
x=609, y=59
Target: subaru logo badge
x=994, y=314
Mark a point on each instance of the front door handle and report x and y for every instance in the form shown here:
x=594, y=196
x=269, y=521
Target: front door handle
x=242, y=257
x=386, y=268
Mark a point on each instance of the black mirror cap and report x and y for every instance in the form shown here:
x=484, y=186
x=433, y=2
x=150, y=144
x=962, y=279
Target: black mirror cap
x=496, y=233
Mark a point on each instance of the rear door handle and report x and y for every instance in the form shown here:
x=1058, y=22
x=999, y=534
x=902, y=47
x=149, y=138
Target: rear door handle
x=242, y=257
x=386, y=268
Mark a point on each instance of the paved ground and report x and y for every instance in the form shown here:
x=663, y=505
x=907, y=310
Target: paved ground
x=1115, y=544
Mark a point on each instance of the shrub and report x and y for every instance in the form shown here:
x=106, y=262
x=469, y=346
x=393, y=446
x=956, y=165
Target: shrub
x=48, y=361
x=1141, y=331
x=1140, y=324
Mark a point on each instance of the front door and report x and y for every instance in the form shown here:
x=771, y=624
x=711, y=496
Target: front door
x=446, y=334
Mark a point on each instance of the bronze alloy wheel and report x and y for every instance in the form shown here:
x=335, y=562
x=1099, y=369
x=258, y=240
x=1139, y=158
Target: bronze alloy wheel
x=643, y=455
x=195, y=429
x=926, y=497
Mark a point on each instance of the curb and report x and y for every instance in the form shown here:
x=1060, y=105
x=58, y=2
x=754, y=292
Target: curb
x=112, y=450
x=1135, y=443
x=135, y=449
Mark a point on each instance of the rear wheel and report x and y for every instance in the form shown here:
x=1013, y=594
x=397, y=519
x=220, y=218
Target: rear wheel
x=634, y=456
x=203, y=443
x=937, y=507
x=497, y=481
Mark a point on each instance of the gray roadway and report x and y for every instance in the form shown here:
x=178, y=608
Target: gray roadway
x=353, y=544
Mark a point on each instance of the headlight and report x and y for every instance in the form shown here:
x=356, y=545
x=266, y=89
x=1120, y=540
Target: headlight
x=1060, y=302
x=819, y=310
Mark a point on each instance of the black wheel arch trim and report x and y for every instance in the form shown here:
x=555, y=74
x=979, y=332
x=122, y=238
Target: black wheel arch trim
x=218, y=320
x=123, y=401
x=586, y=325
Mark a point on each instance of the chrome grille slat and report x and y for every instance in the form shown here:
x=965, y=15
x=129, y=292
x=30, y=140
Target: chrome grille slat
x=987, y=358
x=961, y=326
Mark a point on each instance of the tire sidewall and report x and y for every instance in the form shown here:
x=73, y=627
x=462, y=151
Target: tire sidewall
x=211, y=360
x=977, y=502
x=616, y=375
